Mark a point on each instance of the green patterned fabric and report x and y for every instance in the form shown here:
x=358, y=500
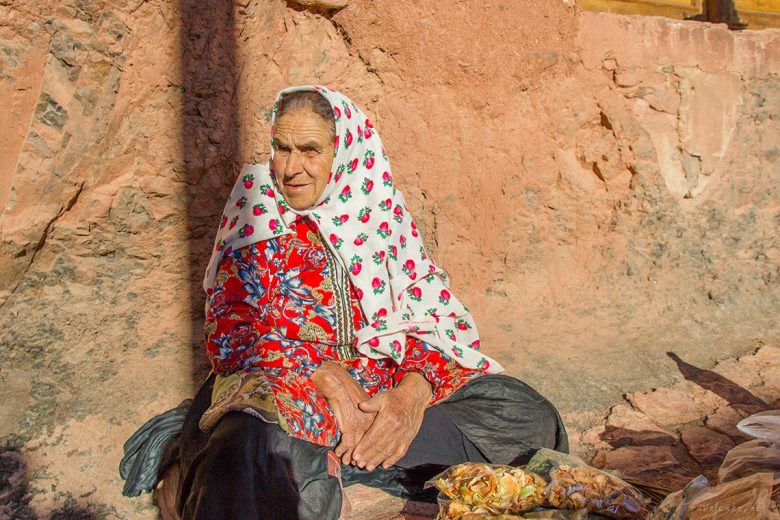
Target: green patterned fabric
x=248, y=392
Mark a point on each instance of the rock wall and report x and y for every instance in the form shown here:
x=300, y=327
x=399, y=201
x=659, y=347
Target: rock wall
x=602, y=189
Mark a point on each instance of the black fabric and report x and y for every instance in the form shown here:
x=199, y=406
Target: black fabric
x=147, y=451
x=440, y=442
x=496, y=419
x=506, y=419
x=247, y=469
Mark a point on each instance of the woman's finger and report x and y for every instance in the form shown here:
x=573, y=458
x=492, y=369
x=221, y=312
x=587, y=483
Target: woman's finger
x=345, y=444
x=379, y=456
x=366, y=449
x=347, y=458
x=397, y=455
x=378, y=442
x=374, y=404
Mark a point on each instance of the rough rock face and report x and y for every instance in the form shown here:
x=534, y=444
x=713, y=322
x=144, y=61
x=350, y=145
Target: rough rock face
x=602, y=189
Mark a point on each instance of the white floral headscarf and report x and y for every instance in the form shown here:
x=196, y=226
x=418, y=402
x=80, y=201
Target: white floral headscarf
x=365, y=222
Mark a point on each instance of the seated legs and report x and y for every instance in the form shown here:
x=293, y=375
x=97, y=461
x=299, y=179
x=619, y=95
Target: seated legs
x=246, y=469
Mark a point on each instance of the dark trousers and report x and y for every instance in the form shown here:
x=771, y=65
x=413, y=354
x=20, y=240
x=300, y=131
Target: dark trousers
x=247, y=469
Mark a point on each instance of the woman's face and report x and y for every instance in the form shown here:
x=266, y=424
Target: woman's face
x=303, y=156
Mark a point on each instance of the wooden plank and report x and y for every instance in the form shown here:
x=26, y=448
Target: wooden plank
x=679, y=9
x=757, y=14
x=759, y=20
x=759, y=6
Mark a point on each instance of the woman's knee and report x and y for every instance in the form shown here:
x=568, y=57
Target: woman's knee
x=232, y=447
x=542, y=426
x=549, y=429
x=246, y=457
x=554, y=434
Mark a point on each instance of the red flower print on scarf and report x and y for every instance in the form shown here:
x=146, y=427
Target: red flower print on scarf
x=368, y=160
x=335, y=240
x=246, y=230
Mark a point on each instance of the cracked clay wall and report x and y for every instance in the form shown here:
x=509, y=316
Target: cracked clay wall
x=602, y=189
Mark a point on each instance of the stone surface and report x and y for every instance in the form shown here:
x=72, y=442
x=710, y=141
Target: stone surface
x=706, y=446
x=655, y=464
x=724, y=420
x=366, y=502
x=627, y=426
x=666, y=407
x=568, y=169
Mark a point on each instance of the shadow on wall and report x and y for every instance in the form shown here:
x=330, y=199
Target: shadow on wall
x=210, y=137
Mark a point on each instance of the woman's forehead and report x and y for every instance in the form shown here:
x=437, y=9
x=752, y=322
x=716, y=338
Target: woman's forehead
x=301, y=125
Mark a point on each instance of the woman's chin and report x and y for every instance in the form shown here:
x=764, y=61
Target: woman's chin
x=300, y=201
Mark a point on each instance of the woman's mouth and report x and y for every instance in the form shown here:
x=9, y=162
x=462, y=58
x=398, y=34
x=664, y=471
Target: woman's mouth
x=296, y=187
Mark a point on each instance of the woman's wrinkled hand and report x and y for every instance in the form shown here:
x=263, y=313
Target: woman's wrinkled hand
x=399, y=415
x=344, y=396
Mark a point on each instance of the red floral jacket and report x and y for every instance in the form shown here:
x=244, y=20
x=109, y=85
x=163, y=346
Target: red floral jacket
x=282, y=307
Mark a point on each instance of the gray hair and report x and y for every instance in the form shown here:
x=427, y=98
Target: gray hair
x=307, y=100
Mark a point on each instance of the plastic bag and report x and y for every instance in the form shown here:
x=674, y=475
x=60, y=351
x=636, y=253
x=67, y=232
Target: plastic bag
x=545, y=460
x=558, y=514
x=762, y=425
x=594, y=490
x=575, y=485
x=675, y=506
x=757, y=456
x=454, y=510
x=496, y=489
x=743, y=499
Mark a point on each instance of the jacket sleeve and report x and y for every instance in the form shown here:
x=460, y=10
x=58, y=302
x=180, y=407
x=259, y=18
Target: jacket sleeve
x=238, y=336
x=443, y=373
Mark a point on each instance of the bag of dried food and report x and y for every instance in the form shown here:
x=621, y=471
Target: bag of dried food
x=575, y=485
x=454, y=510
x=490, y=488
x=560, y=514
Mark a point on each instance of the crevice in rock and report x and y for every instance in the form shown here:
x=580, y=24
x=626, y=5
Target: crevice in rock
x=354, y=52
x=42, y=240
x=325, y=12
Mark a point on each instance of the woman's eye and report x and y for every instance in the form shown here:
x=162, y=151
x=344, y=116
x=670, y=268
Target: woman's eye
x=311, y=153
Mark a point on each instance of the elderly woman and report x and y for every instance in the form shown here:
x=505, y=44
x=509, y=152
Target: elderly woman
x=333, y=335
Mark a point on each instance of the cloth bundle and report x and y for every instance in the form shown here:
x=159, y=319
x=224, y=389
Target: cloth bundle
x=146, y=449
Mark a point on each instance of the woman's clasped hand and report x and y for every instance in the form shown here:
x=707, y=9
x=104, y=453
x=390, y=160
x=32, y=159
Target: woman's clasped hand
x=378, y=430
x=399, y=415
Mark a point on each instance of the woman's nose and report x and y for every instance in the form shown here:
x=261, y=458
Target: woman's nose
x=294, y=163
